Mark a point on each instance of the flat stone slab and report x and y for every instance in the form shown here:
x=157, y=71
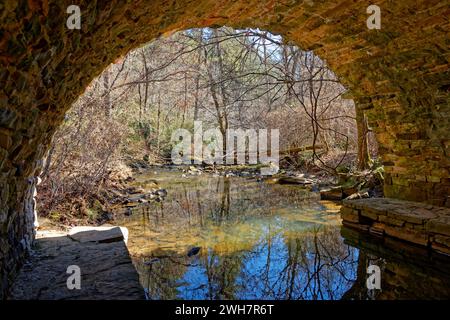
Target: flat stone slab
x=98, y=234
x=415, y=222
x=106, y=269
x=439, y=225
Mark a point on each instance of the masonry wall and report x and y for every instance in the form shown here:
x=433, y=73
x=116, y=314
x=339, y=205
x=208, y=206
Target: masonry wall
x=399, y=75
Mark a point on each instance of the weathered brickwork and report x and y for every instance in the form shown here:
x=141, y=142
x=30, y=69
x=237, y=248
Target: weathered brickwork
x=419, y=223
x=399, y=75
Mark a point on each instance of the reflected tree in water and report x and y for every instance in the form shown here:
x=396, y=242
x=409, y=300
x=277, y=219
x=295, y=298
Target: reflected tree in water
x=315, y=266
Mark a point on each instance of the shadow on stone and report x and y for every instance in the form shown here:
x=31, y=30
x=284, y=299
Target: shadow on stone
x=106, y=269
x=407, y=271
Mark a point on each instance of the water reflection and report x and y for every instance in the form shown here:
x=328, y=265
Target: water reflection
x=407, y=271
x=315, y=266
x=258, y=241
x=266, y=241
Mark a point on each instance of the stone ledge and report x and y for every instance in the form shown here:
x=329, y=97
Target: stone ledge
x=98, y=234
x=419, y=223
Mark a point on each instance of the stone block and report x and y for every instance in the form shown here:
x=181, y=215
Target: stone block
x=3, y=157
x=412, y=226
x=7, y=118
x=377, y=229
x=433, y=179
x=421, y=178
x=412, y=215
x=392, y=221
x=440, y=225
x=349, y=214
x=420, y=238
x=5, y=141
x=371, y=214
x=440, y=248
x=442, y=240
x=357, y=226
x=400, y=181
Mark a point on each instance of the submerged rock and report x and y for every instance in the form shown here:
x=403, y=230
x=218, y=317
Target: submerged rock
x=151, y=196
x=128, y=212
x=107, y=216
x=194, y=171
x=161, y=192
x=193, y=251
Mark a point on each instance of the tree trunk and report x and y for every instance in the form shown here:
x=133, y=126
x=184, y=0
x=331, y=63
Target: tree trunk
x=158, y=120
x=363, y=129
x=107, y=99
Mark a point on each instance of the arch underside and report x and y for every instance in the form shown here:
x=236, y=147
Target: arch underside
x=399, y=75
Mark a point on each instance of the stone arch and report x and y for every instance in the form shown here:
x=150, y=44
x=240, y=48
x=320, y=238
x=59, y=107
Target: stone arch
x=399, y=75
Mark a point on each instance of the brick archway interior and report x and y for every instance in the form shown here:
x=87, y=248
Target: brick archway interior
x=399, y=75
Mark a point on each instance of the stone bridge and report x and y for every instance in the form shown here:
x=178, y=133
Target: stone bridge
x=399, y=76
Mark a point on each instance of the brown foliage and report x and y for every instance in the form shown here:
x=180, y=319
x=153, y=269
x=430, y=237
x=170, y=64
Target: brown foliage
x=81, y=161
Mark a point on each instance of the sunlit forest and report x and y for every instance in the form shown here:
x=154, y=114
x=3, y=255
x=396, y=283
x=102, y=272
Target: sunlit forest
x=223, y=77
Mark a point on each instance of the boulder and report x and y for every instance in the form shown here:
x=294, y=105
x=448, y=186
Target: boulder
x=294, y=180
x=334, y=193
x=161, y=192
x=358, y=195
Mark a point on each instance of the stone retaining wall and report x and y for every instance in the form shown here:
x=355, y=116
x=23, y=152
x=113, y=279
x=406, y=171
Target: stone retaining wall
x=422, y=224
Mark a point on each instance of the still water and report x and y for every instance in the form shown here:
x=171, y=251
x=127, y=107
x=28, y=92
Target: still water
x=258, y=240
x=262, y=240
